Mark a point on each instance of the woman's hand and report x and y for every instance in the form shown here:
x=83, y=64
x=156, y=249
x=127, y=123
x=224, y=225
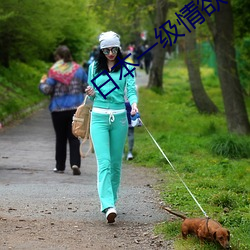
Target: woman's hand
x=90, y=91
x=43, y=79
x=134, y=109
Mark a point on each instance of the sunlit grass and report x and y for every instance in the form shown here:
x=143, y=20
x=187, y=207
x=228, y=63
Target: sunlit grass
x=219, y=182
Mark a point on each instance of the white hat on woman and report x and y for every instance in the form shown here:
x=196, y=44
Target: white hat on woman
x=109, y=39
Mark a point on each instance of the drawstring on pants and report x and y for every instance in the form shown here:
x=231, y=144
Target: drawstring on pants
x=111, y=117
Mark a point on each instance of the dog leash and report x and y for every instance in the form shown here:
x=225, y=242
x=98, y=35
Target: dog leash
x=174, y=169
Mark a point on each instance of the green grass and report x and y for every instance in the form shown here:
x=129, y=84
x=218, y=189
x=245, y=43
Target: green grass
x=214, y=164
x=19, y=88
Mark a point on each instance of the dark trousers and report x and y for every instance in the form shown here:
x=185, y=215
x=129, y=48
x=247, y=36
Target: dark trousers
x=147, y=66
x=131, y=139
x=62, y=122
x=130, y=129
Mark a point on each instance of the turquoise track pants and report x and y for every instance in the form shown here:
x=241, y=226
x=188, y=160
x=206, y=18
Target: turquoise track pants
x=108, y=136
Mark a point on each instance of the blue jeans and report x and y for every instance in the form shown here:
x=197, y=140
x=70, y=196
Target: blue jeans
x=108, y=139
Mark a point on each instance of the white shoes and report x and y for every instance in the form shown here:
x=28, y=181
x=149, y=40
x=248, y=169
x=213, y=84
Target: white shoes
x=111, y=214
x=130, y=156
x=58, y=171
x=76, y=170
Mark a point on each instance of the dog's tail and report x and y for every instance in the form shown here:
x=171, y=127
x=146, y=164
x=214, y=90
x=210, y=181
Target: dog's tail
x=175, y=213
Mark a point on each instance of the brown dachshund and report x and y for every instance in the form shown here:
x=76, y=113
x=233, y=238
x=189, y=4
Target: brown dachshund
x=204, y=229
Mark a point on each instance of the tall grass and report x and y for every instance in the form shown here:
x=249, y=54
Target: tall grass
x=214, y=164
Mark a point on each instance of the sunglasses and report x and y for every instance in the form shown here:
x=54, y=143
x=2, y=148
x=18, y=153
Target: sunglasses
x=113, y=50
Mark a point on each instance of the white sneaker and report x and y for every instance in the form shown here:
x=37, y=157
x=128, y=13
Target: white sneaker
x=111, y=214
x=58, y=171
x=130, y=156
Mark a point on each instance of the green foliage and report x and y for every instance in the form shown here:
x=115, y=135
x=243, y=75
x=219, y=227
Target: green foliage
x=170, y=230
x=241, y=17
x=224, y=200
x=243, y=60
x=242, y=33
x=19, y=87
x=231, y=146
x=135, y=17
x=219, y=183
x=29, y=33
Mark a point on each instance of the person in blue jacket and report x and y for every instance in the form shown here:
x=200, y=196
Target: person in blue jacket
x=109, y=124
x=65, y=83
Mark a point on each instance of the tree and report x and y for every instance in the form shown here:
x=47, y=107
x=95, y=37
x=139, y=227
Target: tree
x=242, y=34
x=201, y=99
x=156, y=71
x=241, y=17
x=127, y=18
x=223, y=37
x=28, y=33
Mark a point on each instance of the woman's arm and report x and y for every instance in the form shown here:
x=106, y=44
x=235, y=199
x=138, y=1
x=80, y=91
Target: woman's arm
x=46, y=85
x=132, y=93
x=90, y=89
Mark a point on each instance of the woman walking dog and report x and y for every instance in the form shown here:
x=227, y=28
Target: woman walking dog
x=109, y=123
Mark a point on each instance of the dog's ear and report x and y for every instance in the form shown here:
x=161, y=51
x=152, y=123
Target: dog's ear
x=214, y=235
x=228, y=237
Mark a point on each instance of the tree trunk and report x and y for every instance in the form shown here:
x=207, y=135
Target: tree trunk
x=235, y=109
x=201, y=99
x=156, y=72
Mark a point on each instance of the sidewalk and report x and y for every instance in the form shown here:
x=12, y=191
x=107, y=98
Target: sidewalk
x=141, y=78
x=40, y=209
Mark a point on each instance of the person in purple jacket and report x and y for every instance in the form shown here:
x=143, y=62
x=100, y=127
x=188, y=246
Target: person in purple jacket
x=65, y=83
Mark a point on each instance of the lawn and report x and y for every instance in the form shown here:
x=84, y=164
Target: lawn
x=214, y=164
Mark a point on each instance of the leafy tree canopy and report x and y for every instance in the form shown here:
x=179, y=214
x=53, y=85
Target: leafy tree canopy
x=32, y=30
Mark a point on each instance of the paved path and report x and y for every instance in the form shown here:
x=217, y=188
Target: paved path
x=141, y=78
x=27, y=160
x=26, y=163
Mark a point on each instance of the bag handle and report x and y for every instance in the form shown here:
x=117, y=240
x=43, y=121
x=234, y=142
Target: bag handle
x=85, y=99
x=85, y=139
x=83, y=155
x=93, y=69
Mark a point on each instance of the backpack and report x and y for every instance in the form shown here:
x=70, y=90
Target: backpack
x=81, y=125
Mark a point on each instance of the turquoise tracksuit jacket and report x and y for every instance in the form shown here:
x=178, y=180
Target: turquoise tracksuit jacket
x=114, y=100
